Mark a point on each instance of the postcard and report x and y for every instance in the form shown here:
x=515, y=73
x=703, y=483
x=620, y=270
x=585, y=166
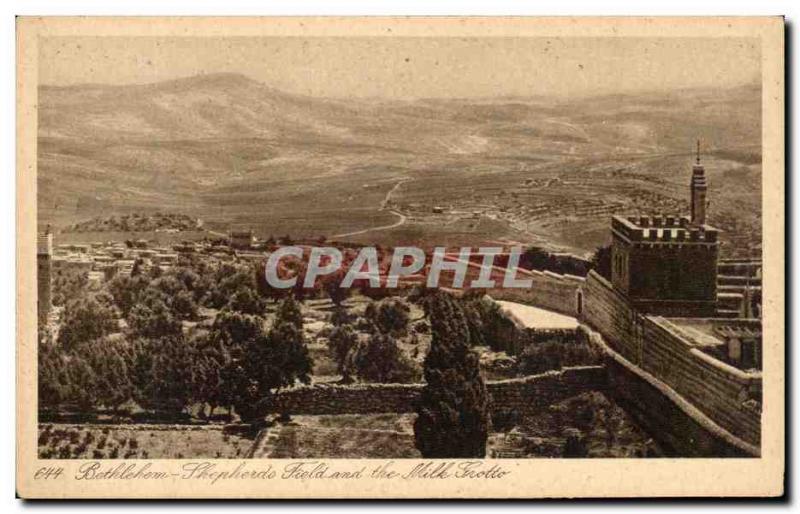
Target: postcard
x=400, y=257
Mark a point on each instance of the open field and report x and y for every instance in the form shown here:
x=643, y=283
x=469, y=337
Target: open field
x=237, y=153
x=137, y=441
x=600, y=427
x=353, y=437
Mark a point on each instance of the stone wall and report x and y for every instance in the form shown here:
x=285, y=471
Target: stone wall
x=680, y=430
x=348, y=399
x=530, y=394
x=730, y=397
x=550, y=291
x=607, y=310
x=519, y=395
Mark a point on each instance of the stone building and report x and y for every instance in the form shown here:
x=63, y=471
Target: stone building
x=243, y=239
x=667, y=265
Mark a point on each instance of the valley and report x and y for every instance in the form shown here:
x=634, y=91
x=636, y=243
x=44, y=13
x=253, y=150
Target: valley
x=550, y=172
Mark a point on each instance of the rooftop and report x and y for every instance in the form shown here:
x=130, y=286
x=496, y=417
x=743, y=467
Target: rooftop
x=662, y=229
x=536, y=318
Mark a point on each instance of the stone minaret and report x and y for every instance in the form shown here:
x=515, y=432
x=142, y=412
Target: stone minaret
x=44, y=253
x=699, y=188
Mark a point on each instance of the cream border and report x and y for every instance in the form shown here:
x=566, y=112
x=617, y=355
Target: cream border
x=529, y=478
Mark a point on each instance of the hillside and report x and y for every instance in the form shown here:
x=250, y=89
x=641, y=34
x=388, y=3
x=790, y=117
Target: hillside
x=233, y=151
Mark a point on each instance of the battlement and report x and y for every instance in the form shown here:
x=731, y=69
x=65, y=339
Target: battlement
x=662, y=229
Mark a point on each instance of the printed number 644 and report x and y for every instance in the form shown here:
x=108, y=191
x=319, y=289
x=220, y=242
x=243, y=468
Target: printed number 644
x=48, y=472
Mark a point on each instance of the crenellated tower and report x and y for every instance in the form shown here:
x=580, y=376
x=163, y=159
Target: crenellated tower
x=667, y=265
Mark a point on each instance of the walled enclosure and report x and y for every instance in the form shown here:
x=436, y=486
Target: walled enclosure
x=558, y=293
x=519, y=395
x=658, y=347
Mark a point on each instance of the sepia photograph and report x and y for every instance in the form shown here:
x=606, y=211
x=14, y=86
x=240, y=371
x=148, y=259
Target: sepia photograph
x=457, y=250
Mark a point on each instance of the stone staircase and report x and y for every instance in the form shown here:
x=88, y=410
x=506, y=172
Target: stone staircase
x=735, y=279
x=265, y=443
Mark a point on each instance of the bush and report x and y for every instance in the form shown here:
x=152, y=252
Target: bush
x=379, y=359
x=341, y=342
x=390, y=316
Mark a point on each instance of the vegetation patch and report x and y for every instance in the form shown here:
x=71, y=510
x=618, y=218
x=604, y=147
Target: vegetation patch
x=62, y=441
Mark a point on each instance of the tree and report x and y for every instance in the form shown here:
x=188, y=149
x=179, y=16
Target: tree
x=231, y=335
x=379, y=359
x=233, y=328
x=270, y=363
x=171, y=389
x=184, y=306
x=192, y=281
x=140, y=358
x=110, y=366
x=453, y=410
x=82, y=384
x=52, y=390
x=85, y=319
x=126, y=291
x=239, y=365
x=168, y=284
x=227, y=280
x=289, y=311
x=475, y=310
x=389, y=317
x=246, y=301
x=151, y=318
x=341, y=341
x=289, y=352
x=535, y=258
x=137, y=270
x=68, y=284
x=210, y=359
x=175, y=294
x=162, y=374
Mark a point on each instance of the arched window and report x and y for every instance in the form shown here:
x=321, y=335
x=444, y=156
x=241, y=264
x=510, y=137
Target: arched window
x=579, y=302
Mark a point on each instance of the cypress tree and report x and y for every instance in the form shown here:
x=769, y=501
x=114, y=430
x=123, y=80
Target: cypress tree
x=453, y=417
x=289, y=312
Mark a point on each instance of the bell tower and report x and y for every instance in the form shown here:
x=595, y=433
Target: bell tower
x=699, y=188
x=44, y=254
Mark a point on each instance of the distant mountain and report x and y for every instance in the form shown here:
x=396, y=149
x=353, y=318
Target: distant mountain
x=187, y=143
x=202, y=107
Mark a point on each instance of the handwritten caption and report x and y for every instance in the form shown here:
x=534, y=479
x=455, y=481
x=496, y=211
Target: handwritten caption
x=303, y=471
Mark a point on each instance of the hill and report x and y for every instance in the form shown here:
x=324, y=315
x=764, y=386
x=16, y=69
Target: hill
x=233, y=151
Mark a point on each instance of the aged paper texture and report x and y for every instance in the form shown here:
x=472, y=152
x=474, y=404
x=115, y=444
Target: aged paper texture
x=400, y=257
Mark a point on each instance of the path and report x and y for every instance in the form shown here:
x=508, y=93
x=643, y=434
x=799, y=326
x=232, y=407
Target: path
x=384, y=204
x=399, y=222
x=402, y=217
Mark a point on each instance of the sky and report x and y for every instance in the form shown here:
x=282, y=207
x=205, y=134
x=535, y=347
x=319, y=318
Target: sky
x=411, y=67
